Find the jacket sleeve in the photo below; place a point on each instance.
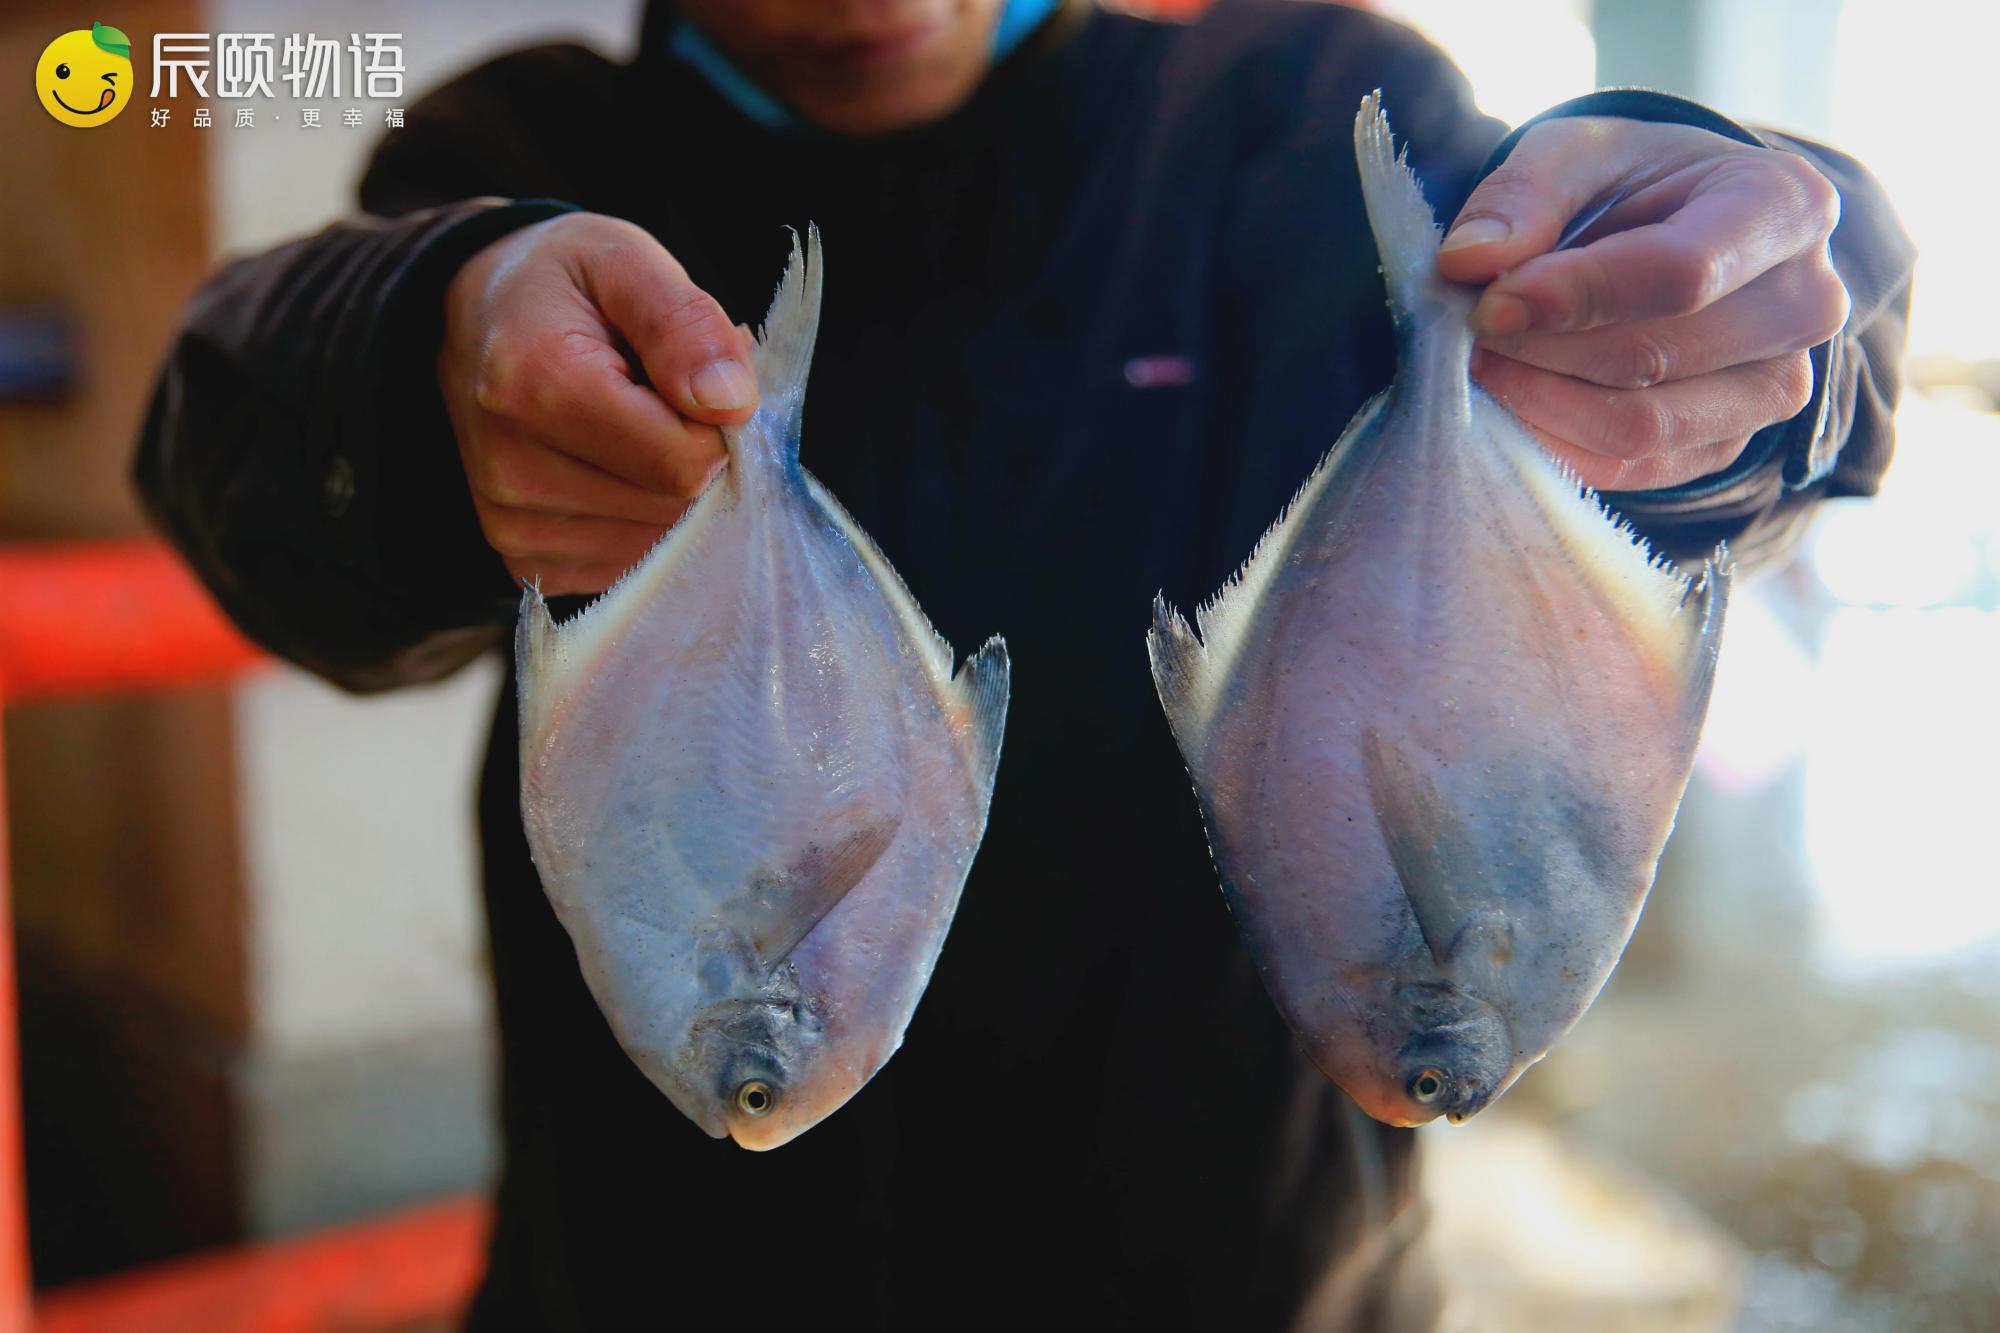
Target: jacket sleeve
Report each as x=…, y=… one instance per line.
x=1840, y=443
x=297, y=451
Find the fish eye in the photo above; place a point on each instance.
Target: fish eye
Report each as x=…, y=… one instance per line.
x=755, y=1098
x=1426, y=1086
x=62, y=70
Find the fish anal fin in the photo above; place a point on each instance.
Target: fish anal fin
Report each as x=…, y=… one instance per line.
x=1428, y=845
x=780, y=908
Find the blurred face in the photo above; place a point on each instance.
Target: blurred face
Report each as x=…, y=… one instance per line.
x=857, y=66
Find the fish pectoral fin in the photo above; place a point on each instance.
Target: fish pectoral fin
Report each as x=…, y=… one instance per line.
x=1427, y=843
x=1486, y=940
x=781, y=908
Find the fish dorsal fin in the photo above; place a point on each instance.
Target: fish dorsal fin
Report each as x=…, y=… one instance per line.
x=783, y=357
x=1433, y=854
x=781, y=907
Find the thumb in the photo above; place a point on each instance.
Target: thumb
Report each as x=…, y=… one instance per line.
x=694, y=356
x=1520, y=210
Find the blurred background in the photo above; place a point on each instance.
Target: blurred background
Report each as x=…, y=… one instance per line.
x=249, y=952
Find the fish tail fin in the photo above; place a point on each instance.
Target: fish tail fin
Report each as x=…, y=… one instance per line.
x=784, y=351
x=1179, y=672
x=983, y=681
x=1407, y=235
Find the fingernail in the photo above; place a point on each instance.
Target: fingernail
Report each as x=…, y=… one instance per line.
x=724, y=385
x=1499, y=313
x=1477, y=231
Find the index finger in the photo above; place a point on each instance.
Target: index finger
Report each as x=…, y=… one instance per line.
x=1744, y=213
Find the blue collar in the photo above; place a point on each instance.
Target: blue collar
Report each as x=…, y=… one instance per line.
x=687, y=43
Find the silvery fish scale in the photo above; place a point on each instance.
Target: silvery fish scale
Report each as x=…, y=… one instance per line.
x=1440, y=722
x=753, y=784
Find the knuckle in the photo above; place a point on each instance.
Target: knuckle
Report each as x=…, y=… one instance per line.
x=503, y=531
x=1641, y=362
x=1590, y=299
x=1690, y=280
x=1639, y=424
x=1798, y=188
x=1512, y=180
x=1816, y=195
x=505, y=479
x=689, y=317
x=1794, y=377
x=495, y=388
x=503, y=381
x=1833, y=305
x=611, y=241
x=480, y=470
x=1551, y=136
x=1718, y=457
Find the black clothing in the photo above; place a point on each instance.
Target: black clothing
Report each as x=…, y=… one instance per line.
x=1097, y=1118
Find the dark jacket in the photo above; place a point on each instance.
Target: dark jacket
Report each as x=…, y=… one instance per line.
x=1097, y=1119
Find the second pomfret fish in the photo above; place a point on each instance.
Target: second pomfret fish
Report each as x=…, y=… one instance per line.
x=1440, y=722
x=753, y=784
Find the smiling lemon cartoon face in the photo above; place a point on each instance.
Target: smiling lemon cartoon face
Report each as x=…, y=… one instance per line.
x=84, y=78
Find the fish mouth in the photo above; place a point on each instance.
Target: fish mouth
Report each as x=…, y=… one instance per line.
x=763, y=1136
x=109, y=96
x=1458, y=1038
x=1463, y=1112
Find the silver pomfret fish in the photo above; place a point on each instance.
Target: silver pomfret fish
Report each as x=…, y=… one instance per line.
x=753, y=785
x=1440, y=722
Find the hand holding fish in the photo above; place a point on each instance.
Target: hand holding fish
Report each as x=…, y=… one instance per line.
x=1649, y=354
x=579, y=459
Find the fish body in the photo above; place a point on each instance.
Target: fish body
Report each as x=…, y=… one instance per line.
x=1440, y=722
x=752, y=782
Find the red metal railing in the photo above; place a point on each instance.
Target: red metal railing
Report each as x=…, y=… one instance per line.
x=122, y=617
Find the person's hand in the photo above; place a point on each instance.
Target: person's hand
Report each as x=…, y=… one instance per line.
x=1650, y=354
x=585, y=376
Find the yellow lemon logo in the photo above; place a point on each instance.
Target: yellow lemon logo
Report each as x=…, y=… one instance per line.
x=85, y=78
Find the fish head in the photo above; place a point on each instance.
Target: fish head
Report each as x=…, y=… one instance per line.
x=751, y=1068
x=1435, y=1049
